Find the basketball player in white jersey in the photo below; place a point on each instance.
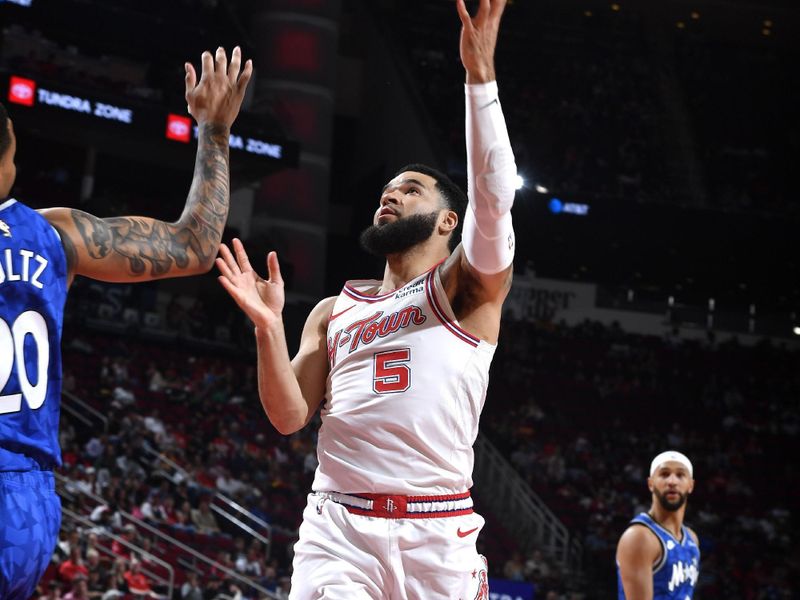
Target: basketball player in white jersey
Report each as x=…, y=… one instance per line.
x=402, y=364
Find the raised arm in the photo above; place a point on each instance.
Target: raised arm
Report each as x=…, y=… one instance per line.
x=479, y=271
x=637, y=552
x=290, y=390
x=142, y=248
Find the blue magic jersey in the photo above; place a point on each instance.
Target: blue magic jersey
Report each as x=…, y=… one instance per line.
x=33, y=290
x=675, y=575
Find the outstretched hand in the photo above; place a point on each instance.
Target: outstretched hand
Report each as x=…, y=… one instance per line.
x=261, y=299
x=218, y=96
x=479, y=39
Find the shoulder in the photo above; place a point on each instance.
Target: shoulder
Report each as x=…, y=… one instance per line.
x=321, y=313
x=638, y=539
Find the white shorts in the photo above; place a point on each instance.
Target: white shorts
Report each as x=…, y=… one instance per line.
x=346, y=556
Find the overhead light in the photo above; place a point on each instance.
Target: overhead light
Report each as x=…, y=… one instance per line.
x=680, y=25
x=615, y=7
x=587, y=13
x=766, y=31
x=695, y=15
x=520, y=182
x=767, y=22
x=796, y=330
x=541, y=189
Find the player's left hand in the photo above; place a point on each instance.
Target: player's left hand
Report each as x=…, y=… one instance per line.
x=218, y=96
x=479, y=39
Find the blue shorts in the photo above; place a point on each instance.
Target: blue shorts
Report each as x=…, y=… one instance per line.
x=30, y=517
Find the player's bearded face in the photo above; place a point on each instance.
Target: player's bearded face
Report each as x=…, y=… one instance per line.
x=672, y=502
x=398, y=235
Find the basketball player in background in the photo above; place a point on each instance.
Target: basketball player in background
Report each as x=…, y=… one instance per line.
x=403, y=365
x=658, y=557
x=41, y=252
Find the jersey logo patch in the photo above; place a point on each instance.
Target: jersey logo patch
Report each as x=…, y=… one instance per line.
x=5, y=229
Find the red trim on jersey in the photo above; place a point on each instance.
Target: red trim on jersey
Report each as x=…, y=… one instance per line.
x=409, y=515
x=356, y=295
x=449, y=498
x=457, y=331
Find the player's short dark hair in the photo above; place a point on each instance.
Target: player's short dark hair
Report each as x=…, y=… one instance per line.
x=454, y=198
x=5, y=137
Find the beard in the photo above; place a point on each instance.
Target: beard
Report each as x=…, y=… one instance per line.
x=671, y=506
x=398, y=236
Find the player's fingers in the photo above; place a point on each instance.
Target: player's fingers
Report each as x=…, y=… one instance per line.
x=236, y=62
x=231, y=289
x=230, y=261
x=241, y=256
x=244, y=78
x=274, y=268
x=463, y=13
x=191, y=78
x=221, y=61
x=484, y=8
x=208, y=65
x=498, y=6
x=223, y=268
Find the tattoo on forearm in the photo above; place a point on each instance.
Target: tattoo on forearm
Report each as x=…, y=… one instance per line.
x=147, y=247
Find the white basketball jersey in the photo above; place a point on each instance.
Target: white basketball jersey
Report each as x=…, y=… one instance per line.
x=404, y=394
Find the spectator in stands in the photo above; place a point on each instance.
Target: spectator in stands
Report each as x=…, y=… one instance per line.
x=138, y=584
x=514, y=569
x=204, y=519
x=80, y=588
x=69, y=541
x=53, y=591
x=73, y=566
x=129, y=537
x=96, y=585
x=191, y=589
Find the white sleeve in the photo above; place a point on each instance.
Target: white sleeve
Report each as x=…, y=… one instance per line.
x=488, y=235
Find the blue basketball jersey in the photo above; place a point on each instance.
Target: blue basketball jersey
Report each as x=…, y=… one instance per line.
x=33, y=290
x=675, y=575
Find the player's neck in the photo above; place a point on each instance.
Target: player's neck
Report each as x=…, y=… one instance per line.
x=671, y=520
x=405, y=266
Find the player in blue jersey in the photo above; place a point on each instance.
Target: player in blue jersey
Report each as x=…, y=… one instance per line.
x=658, y=557
x=40, y=254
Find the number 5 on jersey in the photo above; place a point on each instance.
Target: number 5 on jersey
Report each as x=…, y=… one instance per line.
x=392, y=372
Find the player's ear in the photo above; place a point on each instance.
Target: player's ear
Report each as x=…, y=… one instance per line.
x=449, y=221
x=691, y=486
x=650, y=483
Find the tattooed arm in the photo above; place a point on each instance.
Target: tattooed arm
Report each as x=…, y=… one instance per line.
x=141, y=248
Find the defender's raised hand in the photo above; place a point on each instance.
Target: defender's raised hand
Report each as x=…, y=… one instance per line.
x=262, y=300
x=218, y=96
x=479, y=38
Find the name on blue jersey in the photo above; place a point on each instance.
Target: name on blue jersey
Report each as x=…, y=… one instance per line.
x=682, y=572
x=20, y=267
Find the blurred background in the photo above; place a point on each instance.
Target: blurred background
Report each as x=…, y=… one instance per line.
x=656, y=300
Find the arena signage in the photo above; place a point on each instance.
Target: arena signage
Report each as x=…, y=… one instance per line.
x=25, y=92
x=149, y=122
x=537, y=299
x=252, y=145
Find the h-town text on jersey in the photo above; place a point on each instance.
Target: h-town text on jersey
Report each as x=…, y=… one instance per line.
x=365, y=331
